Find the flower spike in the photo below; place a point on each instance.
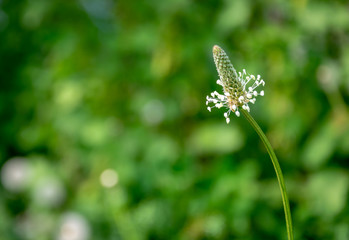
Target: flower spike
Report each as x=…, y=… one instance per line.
x=238, y=88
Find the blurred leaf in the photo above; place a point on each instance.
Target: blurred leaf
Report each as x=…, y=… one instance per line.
x=328, y=192
x=208, y=138
x=234, y=14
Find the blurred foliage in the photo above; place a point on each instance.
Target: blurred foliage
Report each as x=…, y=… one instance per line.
x=92, y=85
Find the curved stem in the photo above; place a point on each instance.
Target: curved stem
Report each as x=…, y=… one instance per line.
x=277, y=170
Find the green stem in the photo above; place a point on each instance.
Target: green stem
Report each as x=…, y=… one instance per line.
x=277, y=170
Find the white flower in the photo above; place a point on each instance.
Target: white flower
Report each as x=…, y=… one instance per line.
x=238, y=89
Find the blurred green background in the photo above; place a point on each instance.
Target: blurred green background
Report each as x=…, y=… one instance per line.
x=105, y=132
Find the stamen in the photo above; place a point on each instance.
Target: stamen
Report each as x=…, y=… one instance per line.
x=219, y=105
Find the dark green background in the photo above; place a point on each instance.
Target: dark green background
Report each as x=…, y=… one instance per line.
x=94, y=84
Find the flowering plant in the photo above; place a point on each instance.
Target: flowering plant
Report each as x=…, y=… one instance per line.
x=238, y=91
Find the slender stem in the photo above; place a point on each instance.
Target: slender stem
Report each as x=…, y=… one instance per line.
x=277, y=170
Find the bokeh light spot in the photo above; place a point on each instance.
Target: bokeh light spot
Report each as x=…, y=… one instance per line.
x=15, y=174
x=73, y=227
x=109, y=178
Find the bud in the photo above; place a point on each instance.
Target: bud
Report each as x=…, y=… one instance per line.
x=225, y=69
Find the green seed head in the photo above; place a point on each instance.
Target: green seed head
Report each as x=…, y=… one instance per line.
x=226, y=71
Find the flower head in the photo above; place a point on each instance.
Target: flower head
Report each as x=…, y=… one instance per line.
x=238, y=88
